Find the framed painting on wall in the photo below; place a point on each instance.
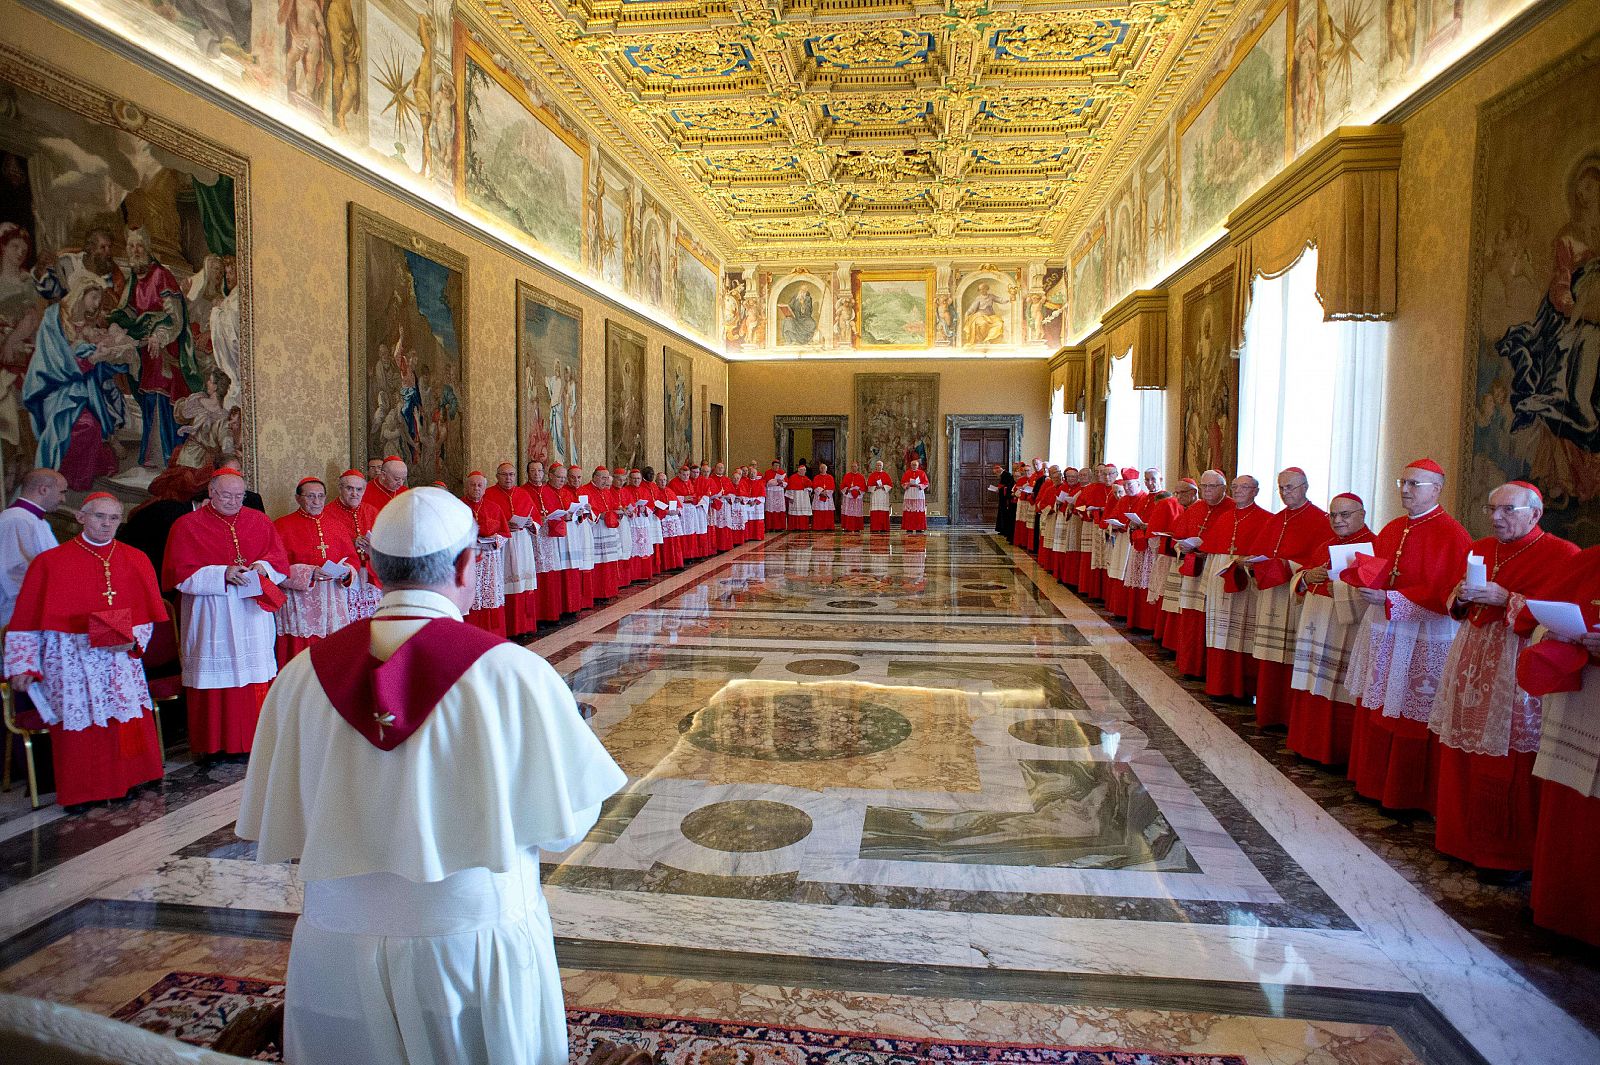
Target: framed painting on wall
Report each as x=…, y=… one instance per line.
x=1209, y=418
x=516, y=161
x=894, y=308
x=1087, y=295
x=408, y=349
x=895, y=418
x=124, y=247
x=549, y=378
x=1530, y=402
x=678, y=397
x=695, y=297
x=625, y=382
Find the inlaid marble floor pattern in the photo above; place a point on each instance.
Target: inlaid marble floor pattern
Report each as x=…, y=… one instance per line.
x=902, y=784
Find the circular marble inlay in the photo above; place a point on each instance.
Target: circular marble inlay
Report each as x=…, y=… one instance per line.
x=1056, y=732
x=984, y=586
x=853, y=604
x=821, y=667
x=746, y=825
x=801, y=724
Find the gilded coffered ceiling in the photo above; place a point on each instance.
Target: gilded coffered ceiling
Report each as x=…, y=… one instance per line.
x=871, y=129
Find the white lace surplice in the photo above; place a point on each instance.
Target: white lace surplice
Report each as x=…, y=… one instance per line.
x=1230, y=616
x=914, y=499
x=320, y=610
x=84, y=685
x=227, y=642
x=1397, y=662
x=1569, y=749
x=521, y=561
x=1480, y=709
x=1328, y=631
x=490, y=588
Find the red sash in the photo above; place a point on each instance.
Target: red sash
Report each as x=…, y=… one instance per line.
x=387, y=701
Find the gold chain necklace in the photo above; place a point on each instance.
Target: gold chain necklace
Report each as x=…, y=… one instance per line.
x=105, y=563
x=233, y=531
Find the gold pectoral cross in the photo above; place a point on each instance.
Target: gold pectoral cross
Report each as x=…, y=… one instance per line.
x=384, y=720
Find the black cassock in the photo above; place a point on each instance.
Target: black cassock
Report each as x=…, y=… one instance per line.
x=1005, y=520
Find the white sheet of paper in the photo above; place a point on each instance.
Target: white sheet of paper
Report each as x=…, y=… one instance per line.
x=1253, y=559
x=1191, y=542
x=1563, y=619
x=40, y=703
x=520, y=522
x=555, y=515
x=1342, y=556
x=993, y=488
x=1115, y=524
x=1477, y=573
x=336, y=570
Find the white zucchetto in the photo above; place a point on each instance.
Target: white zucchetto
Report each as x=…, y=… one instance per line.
x=421, y=521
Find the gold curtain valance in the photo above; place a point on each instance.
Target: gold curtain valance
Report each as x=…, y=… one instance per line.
x=1071, y=368
x=1343, y=196
x=1139, y=324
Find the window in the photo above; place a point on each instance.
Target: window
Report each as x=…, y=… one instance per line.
x=1310, y=391
x=1122, y=414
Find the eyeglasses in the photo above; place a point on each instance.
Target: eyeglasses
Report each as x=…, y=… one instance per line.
x=1406, y=482
x=1506, y=511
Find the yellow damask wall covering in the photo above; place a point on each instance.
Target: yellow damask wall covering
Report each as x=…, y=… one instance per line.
x=298, y=284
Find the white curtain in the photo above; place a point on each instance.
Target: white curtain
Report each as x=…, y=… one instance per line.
x=1066, y=434
x=1152, y=428
x=1123, y=411
x=1310, y=392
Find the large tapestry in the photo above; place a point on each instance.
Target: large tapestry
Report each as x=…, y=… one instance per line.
x=1533, y=333
x=517, y=161
x=678, y=389
x=408, y=349
x=1239, y=137
x=124, y=280
x=895, y=416
x=549, y=377
x=625, y=382
x=1210, y=401
x=894, y=308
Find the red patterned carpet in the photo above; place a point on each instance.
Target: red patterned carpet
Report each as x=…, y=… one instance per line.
x=195, y=1007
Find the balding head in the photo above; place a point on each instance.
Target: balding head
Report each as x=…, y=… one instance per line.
x=43, y=487
x=393, y=474
x=505, y=475
x=1186, y=493
x=1244, y=490
x=227, y=494
x=352, y=487
x=1213, y=486
x=1292, y=485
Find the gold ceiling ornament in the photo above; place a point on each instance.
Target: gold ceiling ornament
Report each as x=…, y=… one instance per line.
x=965, y=103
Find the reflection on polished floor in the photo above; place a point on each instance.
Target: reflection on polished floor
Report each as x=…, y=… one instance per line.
x=895, y=787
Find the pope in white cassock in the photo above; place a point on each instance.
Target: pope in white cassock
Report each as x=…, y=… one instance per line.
x=416, y=766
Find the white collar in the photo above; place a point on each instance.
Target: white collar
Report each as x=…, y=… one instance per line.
x=1424, y=514
x=414, y=601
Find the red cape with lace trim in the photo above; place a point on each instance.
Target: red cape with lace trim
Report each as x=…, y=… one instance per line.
x=64, y=586
x=200, y=538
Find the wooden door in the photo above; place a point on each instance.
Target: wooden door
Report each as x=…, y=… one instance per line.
x=981, y=450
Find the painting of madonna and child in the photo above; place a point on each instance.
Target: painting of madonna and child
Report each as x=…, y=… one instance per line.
x=121, y=343
x=1533, y=409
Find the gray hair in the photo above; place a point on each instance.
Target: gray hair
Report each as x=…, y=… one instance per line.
x=424, y=571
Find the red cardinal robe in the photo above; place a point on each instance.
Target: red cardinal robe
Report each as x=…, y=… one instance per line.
x=1486, y=811
x=1187, y=638
x=1228, y=672
x=223, y=719
x=62, y=591
x=551, y=595
x=311, y=542
x=1145, y=609
x=1394, y=759
x=1566, y=855
x=1319, y=727
x=913, y=512
x=522, y=608
x=491, y=522
x=878, y=519
x=822, y=518
x=1289, y=536
x=799, y=482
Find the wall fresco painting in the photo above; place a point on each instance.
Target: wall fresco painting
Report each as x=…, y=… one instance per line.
x=1087, y=299
x=1533, y=332
x=695, y=290
x=549, y=378
x=894, y=423
x=124, y=314
x=894, y=308
x=517, y=162
x=408, y=349
x=625, y=385
x=1239, y=136
x=799, y=313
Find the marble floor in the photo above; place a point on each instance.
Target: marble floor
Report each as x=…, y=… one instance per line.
x=897, y=786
